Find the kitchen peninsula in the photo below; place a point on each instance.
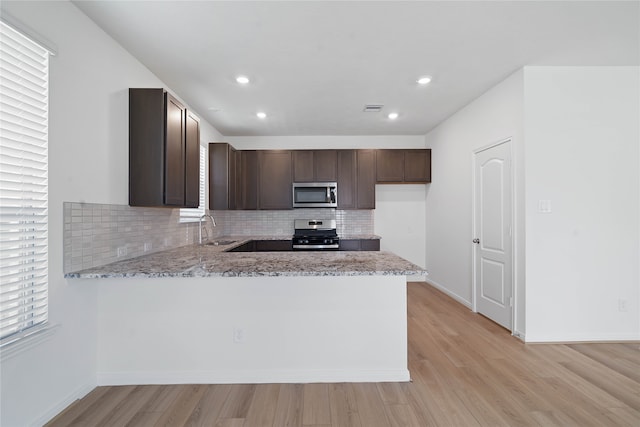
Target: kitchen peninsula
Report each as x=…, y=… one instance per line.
x=198, y=314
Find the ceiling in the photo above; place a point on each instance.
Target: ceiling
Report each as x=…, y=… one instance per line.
x=314, y=65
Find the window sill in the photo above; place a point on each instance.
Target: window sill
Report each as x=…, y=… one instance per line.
x=26, y=342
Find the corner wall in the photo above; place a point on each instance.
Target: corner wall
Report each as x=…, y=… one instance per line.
x=582, y=129
x=88, y=162
x=493, y=117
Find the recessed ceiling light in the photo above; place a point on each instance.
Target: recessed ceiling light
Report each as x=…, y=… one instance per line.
x=261, y=115
x=393, y=116
x=424, y=80
x=243, y=80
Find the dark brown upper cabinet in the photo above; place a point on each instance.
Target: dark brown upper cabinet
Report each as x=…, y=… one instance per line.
x=403, y=166
x=275, y=179
x=247, y=179
x=233, y=177
x=222, y=176
x=163, y=151
x=192, y=162
x=365, y=179
x=315, y=165
x=347, y=179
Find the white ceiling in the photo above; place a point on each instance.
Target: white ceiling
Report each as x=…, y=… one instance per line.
x=315, y=64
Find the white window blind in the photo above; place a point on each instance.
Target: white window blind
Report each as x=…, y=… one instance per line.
x=24, y=92
x=194, y=214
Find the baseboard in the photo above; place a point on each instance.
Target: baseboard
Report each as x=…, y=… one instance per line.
x=78, y=393
x=520, y=335
x=251, y=377
x=582, y=339
x=449, y=293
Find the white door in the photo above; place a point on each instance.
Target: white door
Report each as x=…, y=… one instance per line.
x=493, y=248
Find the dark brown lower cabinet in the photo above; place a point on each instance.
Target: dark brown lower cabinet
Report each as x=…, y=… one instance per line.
x=359, y=244
x=286, y=245
x=264, y=246
x=273, y=245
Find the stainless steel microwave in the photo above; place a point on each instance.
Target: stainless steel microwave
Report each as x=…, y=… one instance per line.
x=315, y=195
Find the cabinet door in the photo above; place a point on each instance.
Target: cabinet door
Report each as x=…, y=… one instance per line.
x=349, y=244
x=325, y=165
x=417, y=166
x=273, y=245
x=247, y=191
x=250, y=246
x=370, y=245
x=359, y=245
x=390, y=165
x=303, y=166
x=192, y=162
x=233, y=183
x=220, y=177
x=346, y=179
x=146, y=147
x=275, y=179
x=366, y=179
x=174, y=152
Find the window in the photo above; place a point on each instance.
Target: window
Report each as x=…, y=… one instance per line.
x=194, y=214
x=24, y=99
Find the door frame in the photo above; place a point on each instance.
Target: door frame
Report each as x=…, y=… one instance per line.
x=474, y=229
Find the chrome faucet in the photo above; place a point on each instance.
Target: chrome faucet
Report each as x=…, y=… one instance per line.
x=213, y=223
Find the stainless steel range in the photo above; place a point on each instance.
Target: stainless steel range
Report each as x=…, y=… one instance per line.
x=315, y=234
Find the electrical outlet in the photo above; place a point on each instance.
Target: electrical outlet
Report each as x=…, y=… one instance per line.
x=622, y=304
x=147, y=247
x=238, y=335
x=121, y=251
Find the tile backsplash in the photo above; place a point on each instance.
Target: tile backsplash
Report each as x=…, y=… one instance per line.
x=280, y=223
x=99, y=234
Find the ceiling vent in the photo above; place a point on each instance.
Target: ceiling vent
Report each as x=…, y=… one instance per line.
x=373, y=108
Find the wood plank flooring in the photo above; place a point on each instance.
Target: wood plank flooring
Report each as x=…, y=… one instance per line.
x=465, y=369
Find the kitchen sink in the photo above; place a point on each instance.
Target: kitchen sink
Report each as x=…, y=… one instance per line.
x=221, y=242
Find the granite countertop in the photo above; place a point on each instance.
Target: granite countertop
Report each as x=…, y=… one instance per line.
x=210, y=260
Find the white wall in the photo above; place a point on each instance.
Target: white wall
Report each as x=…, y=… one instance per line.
x=294, y=329
x=582, y=144
x=579, y=128
x=399, y=220
x=493, y=117
x=88, y=161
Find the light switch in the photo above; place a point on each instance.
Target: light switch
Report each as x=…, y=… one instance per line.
x=544, y=206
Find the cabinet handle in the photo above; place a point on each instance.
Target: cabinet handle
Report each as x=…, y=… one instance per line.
x=476, y=241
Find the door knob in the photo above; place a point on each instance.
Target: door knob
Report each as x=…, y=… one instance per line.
x=476, y=241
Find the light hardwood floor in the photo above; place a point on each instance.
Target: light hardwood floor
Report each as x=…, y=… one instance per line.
x=466, y=371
